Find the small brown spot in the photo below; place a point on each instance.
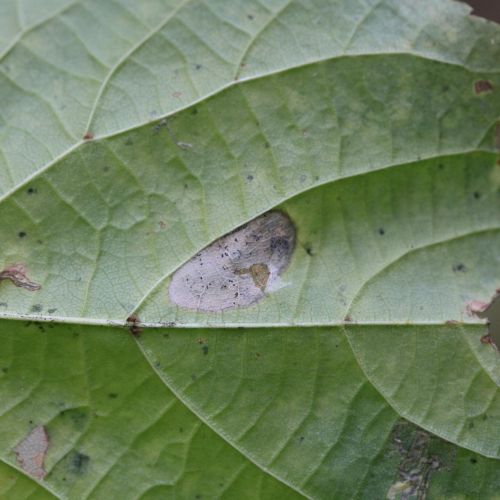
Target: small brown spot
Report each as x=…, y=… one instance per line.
x=16, y=273
x=482, y=86
x=88, y=136
x=133, y=325
x=30, y=452
x=488, y=340
x=162, y=225
x=452, y=322
x=348, y=319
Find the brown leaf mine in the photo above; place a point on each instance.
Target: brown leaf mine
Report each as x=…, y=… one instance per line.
x=31, y=452
x=238, y=269
x=17, y=275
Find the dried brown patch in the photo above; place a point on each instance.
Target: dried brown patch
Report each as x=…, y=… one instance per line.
x=16, y=273
x=31, y=451
x=482, y=86
x=238, y=269
x=88, y=136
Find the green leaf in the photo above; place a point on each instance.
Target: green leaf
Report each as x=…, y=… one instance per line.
x=135, y=134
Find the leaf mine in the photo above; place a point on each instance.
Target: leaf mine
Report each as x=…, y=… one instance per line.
x=238, y=269
x=17, y=275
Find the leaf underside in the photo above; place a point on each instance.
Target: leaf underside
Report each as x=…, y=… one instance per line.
x=134, y=134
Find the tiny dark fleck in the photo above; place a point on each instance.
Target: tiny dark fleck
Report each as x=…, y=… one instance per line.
x=440, y=166
x=5, y=369
x=204, y=348
x=194, y=111
x=477, y=195
x=105, y=168
x=181, y=430
x=36, y=308
x=166, y=335
x=31, y=190
x=198, y=497
x=381, y=231
x=129, y=142
x=471, y=425
x=309, y=250
x=112, y=395
x=250, y=17
x=21, y=234
x=267, y=145
x=157, y=364
x=198, y=66
x=193, y=376
x=185, y=186
x=88, y=136
x=348, y=319
x=3, y=304
x=250, y=177
x=473, y=460
x=31, y=421
x=301, y=438
x=460, y=268
x=51, y=311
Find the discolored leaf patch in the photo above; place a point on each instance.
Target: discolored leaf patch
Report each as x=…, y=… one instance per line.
x=16, y=273
x=238, y=269
x=31, y=452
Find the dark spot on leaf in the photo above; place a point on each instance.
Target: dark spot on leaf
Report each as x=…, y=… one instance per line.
x=88, y=136
x=381, y=231
x=112, y=395
x=31, y=190
x=3, y=304
x=129, y=142
x=473, y=460
x=250, y=177
x=79, y=463
x=348, y=319
x=204, y=348
x=250, y=17
x=198, y=66
x=267, y=145
x=482, y=86
x=52, y=311
x=21, y=234
x=5, y=369
x=309, y=250
x=477, y=195
x=459, y=268
x=36, y=308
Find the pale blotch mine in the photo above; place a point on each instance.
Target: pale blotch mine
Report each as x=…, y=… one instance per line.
x=238, y=269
